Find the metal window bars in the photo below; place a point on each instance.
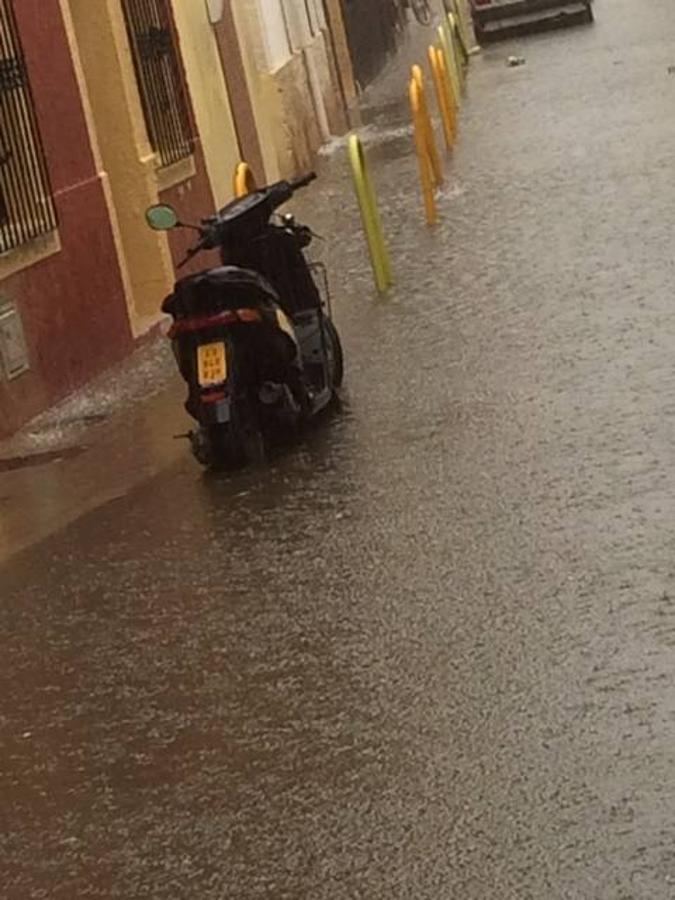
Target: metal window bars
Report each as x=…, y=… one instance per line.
x=26, y=206
x=159, y=77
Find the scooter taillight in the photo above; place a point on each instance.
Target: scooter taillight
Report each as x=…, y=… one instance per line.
x=201, y=323
x=213, y=397
x=249, y=315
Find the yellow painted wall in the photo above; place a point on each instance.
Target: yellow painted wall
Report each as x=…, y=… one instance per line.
x=126, y=155
x=208, y=91
x=96, y=150
x=265, y=95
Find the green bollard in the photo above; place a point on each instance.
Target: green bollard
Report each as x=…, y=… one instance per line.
x=370, y=216
x=456, y=40
x=450, y=63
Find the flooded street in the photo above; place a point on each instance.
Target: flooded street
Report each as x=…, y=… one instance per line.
x=428, y=652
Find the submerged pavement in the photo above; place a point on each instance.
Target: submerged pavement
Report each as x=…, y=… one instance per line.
x=428, y=651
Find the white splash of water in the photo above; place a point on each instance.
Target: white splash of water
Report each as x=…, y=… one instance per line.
x=369, y=135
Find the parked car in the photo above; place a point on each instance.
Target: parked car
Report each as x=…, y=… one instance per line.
x=494, y=17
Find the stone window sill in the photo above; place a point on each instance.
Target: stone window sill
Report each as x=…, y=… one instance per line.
x=27, y=255
x=176, y=173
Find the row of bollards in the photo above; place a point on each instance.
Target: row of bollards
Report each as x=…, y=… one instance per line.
x=431, y=168
x=448, y=61
x=448, y=75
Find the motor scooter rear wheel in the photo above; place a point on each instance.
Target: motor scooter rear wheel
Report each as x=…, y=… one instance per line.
x=231, y=445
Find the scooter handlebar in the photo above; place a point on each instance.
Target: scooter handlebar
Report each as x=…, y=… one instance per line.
x=206, y=242
x=302, y=182
x=215, y=227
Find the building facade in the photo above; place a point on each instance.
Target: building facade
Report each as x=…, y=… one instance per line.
x=109, y=106
x=299, y=85
x=63, y=296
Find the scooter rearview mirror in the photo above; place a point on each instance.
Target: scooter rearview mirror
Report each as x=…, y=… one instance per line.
x=161, y=217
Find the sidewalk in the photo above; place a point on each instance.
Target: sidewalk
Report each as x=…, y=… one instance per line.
x=90, y=449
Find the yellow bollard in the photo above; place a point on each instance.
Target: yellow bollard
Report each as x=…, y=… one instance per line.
x=463, y=16
x=244, y=181
x=444, y=103
x=465, y=19
x=450, y=64
x=447, y=89
x=427, y=128
x=370, y=216
x=455, y=39
x=422, y=147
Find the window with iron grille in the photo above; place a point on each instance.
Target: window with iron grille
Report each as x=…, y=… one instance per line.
x=26, y=206
x=159, y=78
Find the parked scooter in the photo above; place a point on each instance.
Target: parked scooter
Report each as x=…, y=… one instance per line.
x=253, y=338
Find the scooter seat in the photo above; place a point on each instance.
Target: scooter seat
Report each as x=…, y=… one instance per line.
x=219, y=289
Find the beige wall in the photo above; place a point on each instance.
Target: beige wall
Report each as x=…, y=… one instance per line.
x=263, y=91
x=208, y=92
x=297, y=102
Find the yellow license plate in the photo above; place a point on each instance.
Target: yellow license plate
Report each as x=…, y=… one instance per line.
x=211, y=364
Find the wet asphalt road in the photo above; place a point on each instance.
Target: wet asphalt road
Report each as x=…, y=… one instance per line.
x=429, y=653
